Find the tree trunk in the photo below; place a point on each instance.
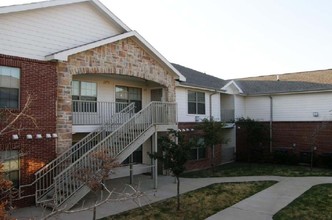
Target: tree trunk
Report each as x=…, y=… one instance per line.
x=94, y=213
x=178, y=193
x=212, y=158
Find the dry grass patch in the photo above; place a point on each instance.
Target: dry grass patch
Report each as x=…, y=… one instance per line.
x=316, y=203
x=254, y=169
x=198, y=204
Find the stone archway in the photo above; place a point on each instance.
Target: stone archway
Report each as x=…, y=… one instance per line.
x=124, y=57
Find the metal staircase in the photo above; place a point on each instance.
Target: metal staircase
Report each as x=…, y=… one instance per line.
x=44, y=177
x=57, y=182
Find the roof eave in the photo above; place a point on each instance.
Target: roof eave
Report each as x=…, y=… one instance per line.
x=232, y=82
x=199, y=87
x=63, y=55
x=288, y=93
x=37, y=5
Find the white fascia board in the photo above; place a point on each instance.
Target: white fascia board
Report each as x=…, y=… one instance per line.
x=198, y=88
x=63, y=55
x=290, y=93
x=37, y=5
x=161, y=57
x=108, y=13
x=232, y=83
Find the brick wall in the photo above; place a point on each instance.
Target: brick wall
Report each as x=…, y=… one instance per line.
x=202, y=163
x=294, y=136
x=124, y=57
x=39, y=80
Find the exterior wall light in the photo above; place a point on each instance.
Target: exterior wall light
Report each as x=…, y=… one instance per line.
x=29, y=136
x=48, y=135
x=54, y=135
x=15, y=137
x=39, y=136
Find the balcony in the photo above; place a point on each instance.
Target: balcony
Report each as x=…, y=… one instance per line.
x=95, y=113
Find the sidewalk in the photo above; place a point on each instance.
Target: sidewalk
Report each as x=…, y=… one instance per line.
x=262, y=205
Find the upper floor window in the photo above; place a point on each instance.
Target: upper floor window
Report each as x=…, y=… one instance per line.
x=9, y=87
x=85, y=95
x=196, y=103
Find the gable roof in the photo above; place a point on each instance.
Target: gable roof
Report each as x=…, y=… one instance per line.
x=310, y=81
x=61, y=52
x=259, y=87
x=198, y=79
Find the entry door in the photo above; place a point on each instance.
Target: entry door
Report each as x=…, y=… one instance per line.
x=156, y=95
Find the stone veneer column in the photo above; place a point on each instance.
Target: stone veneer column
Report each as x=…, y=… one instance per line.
x=64, y=108
x=124, y=57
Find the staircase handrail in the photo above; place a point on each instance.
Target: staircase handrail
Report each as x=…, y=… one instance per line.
x=112, y=145
x=53, y=168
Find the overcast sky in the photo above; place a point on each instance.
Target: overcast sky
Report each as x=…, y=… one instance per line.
x=232, y=38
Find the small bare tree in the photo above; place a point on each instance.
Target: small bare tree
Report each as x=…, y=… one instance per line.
x=11, y=121
x=175, y=155
x=96, y=182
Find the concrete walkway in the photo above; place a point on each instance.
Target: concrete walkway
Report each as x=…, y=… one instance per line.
x=262, y=205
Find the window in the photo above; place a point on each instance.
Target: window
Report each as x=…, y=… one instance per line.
x=84, y=96
x=11, y=165
x=129, y=95
x=9, y=87
x=199, y=152
x=196, y=103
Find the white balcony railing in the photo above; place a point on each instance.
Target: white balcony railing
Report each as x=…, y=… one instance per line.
x=95, y=113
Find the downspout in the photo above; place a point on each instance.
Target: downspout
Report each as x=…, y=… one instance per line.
x=271, y=120
x=210, y=99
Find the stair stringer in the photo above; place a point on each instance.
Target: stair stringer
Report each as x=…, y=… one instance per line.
x=84, y=190
x=135, y=144
x=75, y=198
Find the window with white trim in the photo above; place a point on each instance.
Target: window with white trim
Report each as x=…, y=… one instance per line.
x=84, y=95
x=128, y=95
x=11, y=165
x=9, y=87
x=196, y=103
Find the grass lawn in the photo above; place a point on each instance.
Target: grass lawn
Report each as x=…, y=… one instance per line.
x=316, y=203
x=198, y=204
x=252, y=169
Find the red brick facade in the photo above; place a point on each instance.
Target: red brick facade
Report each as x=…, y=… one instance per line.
x=202, y=163
x=296, y=137
x=39, y=79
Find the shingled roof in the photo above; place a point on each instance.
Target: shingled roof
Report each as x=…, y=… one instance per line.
x=199, y=79
x=286, y=83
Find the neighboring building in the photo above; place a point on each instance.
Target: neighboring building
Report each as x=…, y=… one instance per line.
x=199, y=97
x=83, y=67
x=295, y=106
